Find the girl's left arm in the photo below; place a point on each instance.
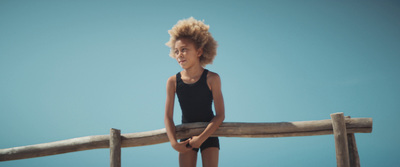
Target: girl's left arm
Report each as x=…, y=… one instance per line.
x=215, y=85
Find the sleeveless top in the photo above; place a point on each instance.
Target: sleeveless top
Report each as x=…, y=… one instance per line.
x=195, y=99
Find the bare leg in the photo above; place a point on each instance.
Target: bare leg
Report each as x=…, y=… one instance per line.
x=188, y=159
x=210, y=157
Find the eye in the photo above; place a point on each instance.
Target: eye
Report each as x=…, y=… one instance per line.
x=184, y=50
x=176, y=52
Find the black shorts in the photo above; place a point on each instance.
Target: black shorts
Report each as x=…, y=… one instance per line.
x=210, y=142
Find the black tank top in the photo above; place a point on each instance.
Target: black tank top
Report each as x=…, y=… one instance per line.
x=195, y=99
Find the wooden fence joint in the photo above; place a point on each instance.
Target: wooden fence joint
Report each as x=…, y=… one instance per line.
x=340, y=135
x=115, y=148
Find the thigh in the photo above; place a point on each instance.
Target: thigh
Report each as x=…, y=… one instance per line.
x=210, y=157
x=188, y=159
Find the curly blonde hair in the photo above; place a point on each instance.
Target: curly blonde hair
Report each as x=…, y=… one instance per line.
x=197, y=31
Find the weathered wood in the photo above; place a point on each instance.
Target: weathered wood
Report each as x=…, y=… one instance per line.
x=280, y=129
x=353, y=151
x=115, y=148
x=340, y=135
x=53, y=148
x=251, y=130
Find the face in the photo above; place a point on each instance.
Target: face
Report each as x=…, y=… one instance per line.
x=186, y=53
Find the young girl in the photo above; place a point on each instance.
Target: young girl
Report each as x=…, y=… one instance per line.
x=193, y=47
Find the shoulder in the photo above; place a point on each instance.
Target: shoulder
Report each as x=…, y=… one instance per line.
x=171, y=82
x=213, y=78
x=171, y=79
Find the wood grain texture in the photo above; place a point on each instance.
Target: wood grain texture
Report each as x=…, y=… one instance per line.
x=115, y=148
x=341, y=143
x=251, y=130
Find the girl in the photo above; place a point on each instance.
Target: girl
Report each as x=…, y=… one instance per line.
x=193, y=47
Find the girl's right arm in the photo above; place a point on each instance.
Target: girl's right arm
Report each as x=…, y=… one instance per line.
x=169, y=117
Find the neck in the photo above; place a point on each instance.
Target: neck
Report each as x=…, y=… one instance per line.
x=194, y=71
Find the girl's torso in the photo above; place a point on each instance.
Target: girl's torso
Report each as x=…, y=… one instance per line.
x=195, y=99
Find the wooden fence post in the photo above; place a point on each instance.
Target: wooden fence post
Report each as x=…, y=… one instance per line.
x=227, y=129
x=115, y=148
x=341, y=145
x=353, y=151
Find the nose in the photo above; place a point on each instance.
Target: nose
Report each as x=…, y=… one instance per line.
x=180, y=54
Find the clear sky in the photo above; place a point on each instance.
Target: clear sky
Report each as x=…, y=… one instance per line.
x=78, y=68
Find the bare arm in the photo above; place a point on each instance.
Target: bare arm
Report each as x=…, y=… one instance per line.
x=214, y=82
x=169, y=119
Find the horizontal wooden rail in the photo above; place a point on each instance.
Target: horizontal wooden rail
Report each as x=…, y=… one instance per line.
x=280, y=129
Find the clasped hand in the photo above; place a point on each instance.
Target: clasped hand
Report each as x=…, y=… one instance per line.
x=195, y=142
x=184, y=146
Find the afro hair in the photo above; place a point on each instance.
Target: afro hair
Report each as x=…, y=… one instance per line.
x=197, y=31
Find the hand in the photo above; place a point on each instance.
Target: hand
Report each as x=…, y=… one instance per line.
x=195, y=141
x=182, y=147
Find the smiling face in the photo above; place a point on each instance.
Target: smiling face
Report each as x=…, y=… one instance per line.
x=186, y=53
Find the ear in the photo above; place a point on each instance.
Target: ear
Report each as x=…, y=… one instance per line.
x=199, y=52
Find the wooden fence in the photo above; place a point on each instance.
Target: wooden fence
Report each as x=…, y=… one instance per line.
x=343, y=129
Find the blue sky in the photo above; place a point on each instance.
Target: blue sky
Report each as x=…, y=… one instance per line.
x=78, y=68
